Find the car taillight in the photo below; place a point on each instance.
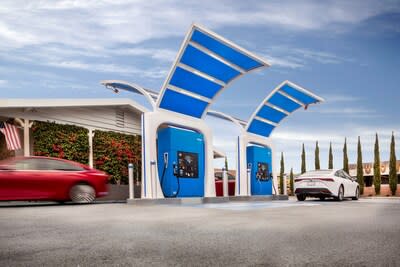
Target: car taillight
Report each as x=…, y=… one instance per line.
x=314, y=179
x=326, y=179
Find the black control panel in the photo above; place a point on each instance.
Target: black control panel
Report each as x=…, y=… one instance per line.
x=262, y=171
x=188, y=165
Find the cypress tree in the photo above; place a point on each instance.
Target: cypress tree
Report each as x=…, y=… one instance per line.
x=303, y=160
x=345, y=158
x=281, y=188
x=317, y=165
x=226, y=164
x=360, y=170
x=330, y=163
x=291, y=182
x=392, y=167
x=377, y=167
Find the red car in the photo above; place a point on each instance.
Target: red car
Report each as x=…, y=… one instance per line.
x=43, y=178
x=219, y=191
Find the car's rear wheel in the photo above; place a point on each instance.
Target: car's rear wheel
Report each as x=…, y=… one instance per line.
x=322, y=198
x=82, y=193
x=340, y=194
x=301, y=197
x=357, y=195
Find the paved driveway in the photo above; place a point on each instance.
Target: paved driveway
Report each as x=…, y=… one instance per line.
x=287, y=233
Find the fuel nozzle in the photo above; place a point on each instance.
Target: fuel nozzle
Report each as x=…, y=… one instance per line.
x=165, y=156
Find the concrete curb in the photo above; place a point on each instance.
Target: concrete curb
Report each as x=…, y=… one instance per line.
x=204, y=200
x=377, y=197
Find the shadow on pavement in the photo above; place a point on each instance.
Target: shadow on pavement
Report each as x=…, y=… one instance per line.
x=24, y=204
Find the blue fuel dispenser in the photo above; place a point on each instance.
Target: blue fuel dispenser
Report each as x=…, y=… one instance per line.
x=259, y=162
x=180, y=162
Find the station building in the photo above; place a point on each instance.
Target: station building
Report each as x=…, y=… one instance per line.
x=368, y=169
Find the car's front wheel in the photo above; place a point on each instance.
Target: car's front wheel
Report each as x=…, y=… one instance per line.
x=357, y=195
x=340, y=193
x=301, y=197
x=82, y=193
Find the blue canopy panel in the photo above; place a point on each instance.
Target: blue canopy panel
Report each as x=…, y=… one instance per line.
x=282, y=101
x=205, y=65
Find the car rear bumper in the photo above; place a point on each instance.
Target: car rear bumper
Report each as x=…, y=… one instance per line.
x=314, y=192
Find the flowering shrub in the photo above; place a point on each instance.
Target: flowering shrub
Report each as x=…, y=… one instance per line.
x=111, y=151
x=60, y=141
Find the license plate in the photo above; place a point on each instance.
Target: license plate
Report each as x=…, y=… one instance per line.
x=310, y=183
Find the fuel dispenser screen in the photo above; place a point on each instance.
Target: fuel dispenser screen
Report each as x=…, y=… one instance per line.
x=188, y=164
x=262, y=171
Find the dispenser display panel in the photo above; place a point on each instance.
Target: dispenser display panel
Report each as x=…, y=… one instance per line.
x=262, y=171
x=188, y=164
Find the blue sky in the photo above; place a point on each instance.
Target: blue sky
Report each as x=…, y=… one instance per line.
x=344, y=51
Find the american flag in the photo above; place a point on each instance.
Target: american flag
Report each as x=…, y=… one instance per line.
x=11, y=134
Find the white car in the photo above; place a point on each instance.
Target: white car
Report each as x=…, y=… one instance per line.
x=326, y=183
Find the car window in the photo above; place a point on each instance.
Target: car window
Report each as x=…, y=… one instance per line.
x=62, y=166
x=46, y=165
x=26, y=164
x=347, y=176
x=218, y=176
x=343, y=175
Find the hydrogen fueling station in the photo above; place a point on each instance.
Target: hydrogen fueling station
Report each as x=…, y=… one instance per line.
x=177, y=144
x=255, y=165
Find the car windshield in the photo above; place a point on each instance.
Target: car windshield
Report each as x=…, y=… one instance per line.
x=218, y=176
x=316, y=173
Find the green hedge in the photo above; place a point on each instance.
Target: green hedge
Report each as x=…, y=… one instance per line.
x=60, y=141
x=111, y=151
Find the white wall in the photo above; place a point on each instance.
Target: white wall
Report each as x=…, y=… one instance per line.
x=96, y=117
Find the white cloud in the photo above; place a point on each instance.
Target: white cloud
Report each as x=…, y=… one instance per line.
x=166, y=55
x=284, y=62
x=284, y=56
x=290, y=139
x=65, y=31
x=336, y=98
x=110, y=68
x=353, y=112
x=3, y=83
x=319, y=56
x=97, y=24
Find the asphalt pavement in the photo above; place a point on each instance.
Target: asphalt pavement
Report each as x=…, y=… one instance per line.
x=278, y=233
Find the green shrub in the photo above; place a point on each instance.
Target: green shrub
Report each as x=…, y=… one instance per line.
x=111, y=151
x=60, y=141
